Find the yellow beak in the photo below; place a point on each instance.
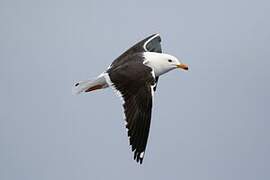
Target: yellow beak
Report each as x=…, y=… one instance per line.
x=182, y=66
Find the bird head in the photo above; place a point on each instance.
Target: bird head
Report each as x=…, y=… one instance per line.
x=162, y=63
x=173, y=62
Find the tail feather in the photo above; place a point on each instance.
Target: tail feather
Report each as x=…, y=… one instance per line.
x=90, y=85
x=82, y=86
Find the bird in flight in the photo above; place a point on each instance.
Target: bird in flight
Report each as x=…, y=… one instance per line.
x=134, y=76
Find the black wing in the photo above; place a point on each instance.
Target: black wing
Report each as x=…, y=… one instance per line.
x=135, y=82
x=150, y=44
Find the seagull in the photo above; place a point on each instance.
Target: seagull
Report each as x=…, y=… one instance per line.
x=134, y=76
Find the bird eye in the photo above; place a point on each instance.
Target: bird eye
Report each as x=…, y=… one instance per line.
x=169, y=60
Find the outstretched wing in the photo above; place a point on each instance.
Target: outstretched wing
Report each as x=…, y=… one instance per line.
x=135, y=83
x=149, y=44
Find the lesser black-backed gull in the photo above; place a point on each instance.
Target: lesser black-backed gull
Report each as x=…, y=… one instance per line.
x=134, y=76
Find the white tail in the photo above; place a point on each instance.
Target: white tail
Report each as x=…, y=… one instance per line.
x=90, y=85
x=81, y=86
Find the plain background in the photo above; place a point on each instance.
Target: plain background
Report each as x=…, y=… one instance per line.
x=209, y=123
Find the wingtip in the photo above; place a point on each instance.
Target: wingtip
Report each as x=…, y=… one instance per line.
x=138, y=157
x=141, y=160
x=155, y=35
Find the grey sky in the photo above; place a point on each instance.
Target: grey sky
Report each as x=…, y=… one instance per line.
x=209, y=123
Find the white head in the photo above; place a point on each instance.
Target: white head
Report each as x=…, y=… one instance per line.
x=162, y=63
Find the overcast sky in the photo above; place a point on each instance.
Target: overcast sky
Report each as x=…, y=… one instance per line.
x=210, y=123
